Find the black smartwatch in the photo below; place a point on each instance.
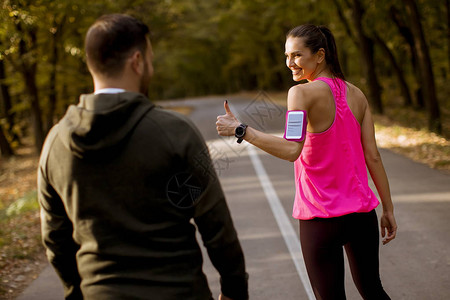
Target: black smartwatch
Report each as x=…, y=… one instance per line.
x=240, y=131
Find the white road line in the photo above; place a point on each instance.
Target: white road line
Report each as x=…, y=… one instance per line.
x=288, y=232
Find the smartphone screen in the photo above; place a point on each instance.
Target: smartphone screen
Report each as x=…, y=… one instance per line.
x=295, y=125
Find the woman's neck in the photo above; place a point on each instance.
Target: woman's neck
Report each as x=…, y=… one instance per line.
x=323, y=72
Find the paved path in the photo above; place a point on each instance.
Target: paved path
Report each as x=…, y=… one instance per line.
x=259, y=190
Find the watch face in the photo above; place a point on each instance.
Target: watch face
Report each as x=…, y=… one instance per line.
x=239, y=131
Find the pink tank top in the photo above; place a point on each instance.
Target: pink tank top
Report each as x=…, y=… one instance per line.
x=330, y=174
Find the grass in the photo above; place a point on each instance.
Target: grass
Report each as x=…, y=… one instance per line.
x=417, y=144
x=24, y=204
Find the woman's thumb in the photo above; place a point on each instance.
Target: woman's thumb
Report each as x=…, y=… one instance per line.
x=227, y=108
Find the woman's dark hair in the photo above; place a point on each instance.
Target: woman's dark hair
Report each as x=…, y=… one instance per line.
x=110, y=41
x=316, y=37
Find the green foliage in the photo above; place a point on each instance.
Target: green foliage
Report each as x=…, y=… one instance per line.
x=201, y=46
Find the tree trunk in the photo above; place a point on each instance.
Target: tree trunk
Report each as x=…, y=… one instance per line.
x=52, y=92
x=408, y=36
x=447, y=6
x=5, y=148
x=397, y=69
x=28, y=69
x=367, y=57
x=344, y=21
x=56, y=36
x=36, y=119
x=426, y=71
x=52, y=82
x=5, y=98
x=344, y=55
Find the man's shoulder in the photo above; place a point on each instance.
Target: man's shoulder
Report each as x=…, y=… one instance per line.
x=174, y=126
x=48, y=143
x=169, y=118
x=51, y=136
x=167, y=113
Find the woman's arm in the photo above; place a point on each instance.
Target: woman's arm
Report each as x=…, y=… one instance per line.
x=379, y=177
x=276, y=146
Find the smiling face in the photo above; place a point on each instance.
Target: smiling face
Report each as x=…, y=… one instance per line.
x=300, y=60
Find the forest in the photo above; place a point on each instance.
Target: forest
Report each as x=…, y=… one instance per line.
x=397, y=51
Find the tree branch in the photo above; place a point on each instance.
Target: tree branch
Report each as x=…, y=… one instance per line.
x=345, y=22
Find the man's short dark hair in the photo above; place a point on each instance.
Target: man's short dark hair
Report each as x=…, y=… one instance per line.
x=111, y=40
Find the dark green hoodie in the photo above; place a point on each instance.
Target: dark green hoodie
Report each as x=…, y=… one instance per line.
x=121, y=185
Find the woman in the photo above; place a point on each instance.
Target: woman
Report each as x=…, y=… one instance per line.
x=333, y=201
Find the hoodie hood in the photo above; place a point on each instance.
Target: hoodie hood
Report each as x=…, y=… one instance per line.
x=100, y=124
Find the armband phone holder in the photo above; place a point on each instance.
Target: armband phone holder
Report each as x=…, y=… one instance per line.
x=295, y=129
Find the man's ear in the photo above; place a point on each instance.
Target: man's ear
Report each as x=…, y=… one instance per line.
x=320, y=55
x=137, y=62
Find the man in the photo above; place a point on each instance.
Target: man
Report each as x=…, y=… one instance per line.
x=119, y=182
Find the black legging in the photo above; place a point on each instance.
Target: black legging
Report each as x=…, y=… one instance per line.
x=322, y=241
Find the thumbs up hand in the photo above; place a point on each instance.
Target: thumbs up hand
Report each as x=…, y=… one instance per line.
x=226, y=124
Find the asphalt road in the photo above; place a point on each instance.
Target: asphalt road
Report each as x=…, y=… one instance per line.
x=260, y=191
